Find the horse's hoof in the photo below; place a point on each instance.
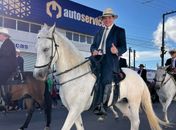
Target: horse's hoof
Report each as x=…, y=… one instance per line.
x=47, y=128
x=117, y=118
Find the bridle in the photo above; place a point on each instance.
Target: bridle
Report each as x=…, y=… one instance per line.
x=162, y=81
x=52, y=55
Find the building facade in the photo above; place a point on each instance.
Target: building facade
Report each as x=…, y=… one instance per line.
x=24, y=18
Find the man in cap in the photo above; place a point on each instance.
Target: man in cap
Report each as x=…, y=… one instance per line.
x=142, y=72
x=171, y=62
x=109, y=42
x=7, y=56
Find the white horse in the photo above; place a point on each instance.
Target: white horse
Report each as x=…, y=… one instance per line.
x=78, y=81
x=166, y=89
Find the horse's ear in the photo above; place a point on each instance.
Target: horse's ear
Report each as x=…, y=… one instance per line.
x=52, y=29
x=45, y=26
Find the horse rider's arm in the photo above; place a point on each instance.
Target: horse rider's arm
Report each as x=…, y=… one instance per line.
x=122, y=47
x=95, y=43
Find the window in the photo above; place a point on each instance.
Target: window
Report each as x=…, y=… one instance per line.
x=89, y=40
x=69, y=35
x=35, y=28
x=9, y=23
x=82, y=38
x=0, y=21
x=75, y=37
x=23, y=26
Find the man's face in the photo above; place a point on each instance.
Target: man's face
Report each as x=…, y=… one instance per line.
x=108, y=21
x=173, y=55
x=2, y=37
x=141, y=67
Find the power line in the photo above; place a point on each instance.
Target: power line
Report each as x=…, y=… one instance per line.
x=143, y=46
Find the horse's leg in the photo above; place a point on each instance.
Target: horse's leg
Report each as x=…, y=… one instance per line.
x=132, y=112
x=165, y=108
x=134, y=116
x=71, y=118
x=79, y=123
x=114, y=112
x=124, y=108
x=47, y=108
x=30, y=107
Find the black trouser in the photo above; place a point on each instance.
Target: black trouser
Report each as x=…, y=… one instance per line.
x=4, y=75
x=106, y=77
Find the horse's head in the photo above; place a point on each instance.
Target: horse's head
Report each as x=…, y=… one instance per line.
x=160, y=76
x=47, y=52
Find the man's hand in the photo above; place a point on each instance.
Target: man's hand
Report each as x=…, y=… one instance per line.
x=114, y=50
x=95, y=53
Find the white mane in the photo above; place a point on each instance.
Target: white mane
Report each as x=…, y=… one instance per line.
x=67, y=50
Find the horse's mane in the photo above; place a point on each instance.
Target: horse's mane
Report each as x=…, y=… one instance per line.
x=62, y=39
x=68, y=53
x=69, y=44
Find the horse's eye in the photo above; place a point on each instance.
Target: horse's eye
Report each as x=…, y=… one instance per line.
x=164, y=75
x=45, y=50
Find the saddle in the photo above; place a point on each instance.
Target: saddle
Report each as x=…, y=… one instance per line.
x=95, y=67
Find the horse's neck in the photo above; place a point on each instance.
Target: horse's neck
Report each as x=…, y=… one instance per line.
x=69, y=56
x=169, y=81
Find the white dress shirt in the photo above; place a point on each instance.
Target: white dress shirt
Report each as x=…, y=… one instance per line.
x=107, y=33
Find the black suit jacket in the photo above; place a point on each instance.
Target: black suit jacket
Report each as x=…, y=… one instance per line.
x=143, y=74
x=168, y=62
x=123, y=62
x=8, y=56
x=116, y=36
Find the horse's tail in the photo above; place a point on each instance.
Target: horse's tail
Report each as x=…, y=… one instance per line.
x=154, y=121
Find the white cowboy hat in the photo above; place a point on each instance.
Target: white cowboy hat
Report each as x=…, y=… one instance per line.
x=4, y=31
x=108, y=12
x=18, y=50
x=172, y=51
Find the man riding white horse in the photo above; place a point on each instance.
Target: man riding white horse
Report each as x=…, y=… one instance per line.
x=171, y=62
x=109, y=43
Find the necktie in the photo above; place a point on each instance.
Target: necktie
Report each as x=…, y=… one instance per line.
x=104, y=41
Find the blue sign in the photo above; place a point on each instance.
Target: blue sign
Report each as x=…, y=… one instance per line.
x=66, y=14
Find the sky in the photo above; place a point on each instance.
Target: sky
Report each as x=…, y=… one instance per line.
x=142, y=20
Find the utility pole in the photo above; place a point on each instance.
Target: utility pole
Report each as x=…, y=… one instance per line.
x=163, y=37
x=134, y=59
x=130, y=50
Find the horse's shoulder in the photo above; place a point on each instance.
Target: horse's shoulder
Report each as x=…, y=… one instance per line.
x=128, y=70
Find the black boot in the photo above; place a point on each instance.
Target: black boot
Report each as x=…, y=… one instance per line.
x=116, y=93
x=107, y=93
x=100, y=110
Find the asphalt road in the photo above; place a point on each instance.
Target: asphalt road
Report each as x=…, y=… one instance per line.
x=13, y=120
